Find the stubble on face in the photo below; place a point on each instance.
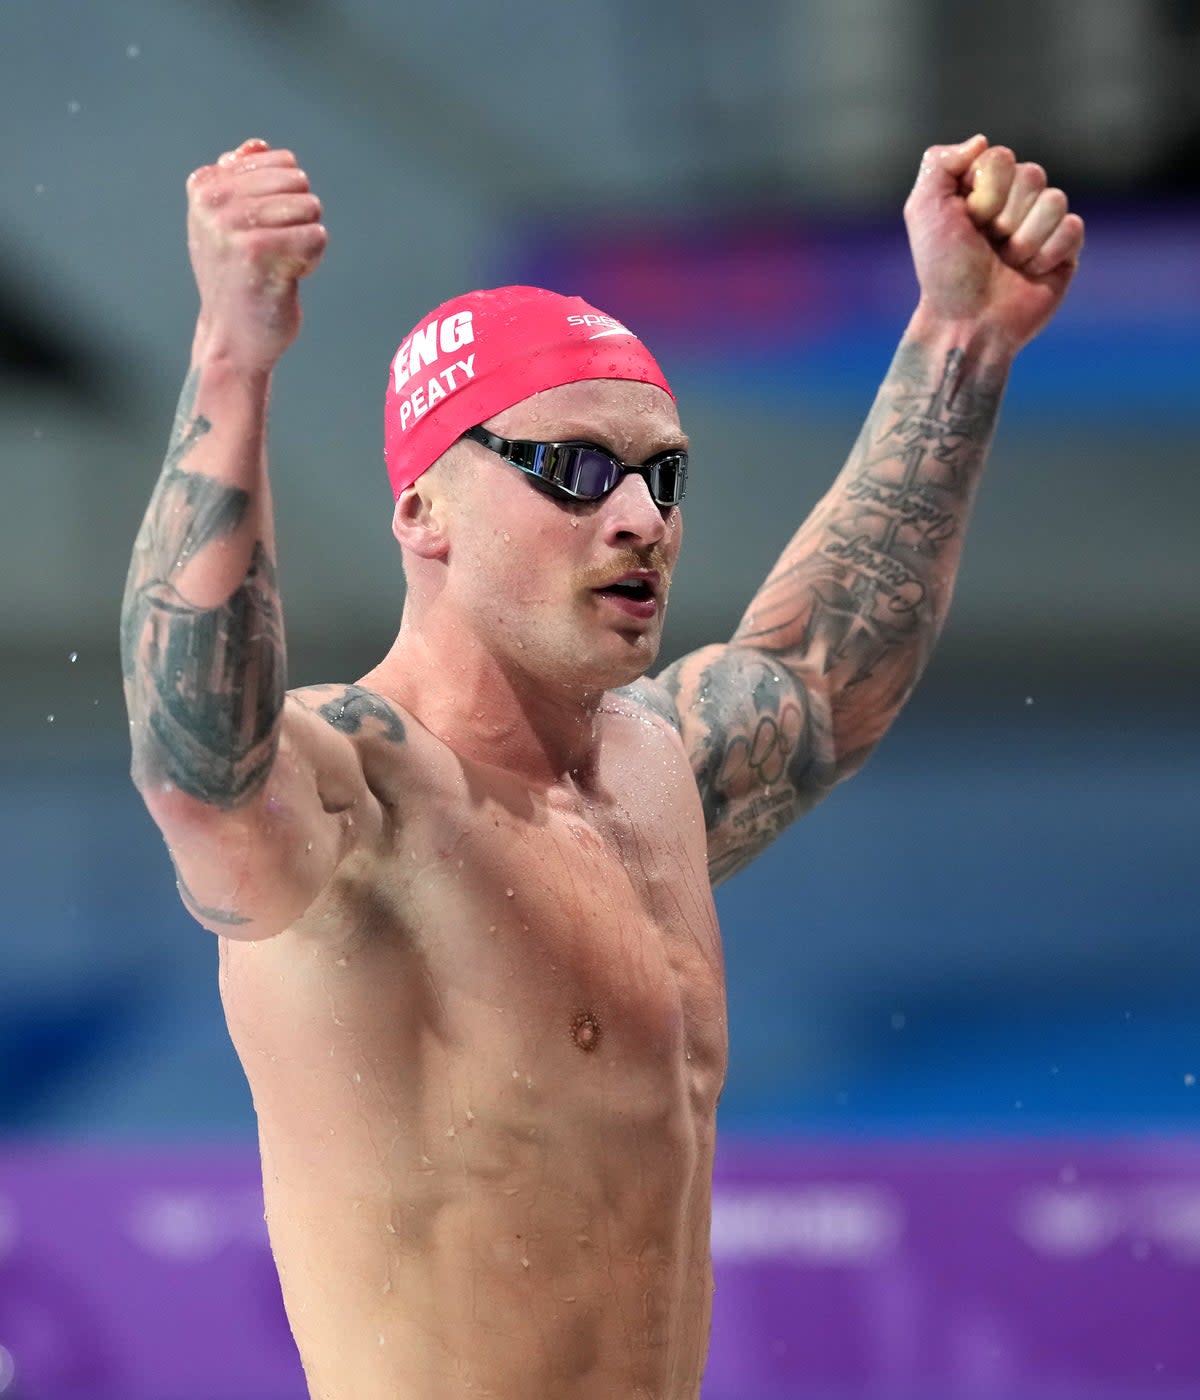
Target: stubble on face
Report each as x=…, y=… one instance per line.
x=535, y=564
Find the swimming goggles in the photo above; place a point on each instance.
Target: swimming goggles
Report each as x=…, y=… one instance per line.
x=581, y=471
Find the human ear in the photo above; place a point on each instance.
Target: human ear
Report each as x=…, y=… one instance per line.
x=418, y=523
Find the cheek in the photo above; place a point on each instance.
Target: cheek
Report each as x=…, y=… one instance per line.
x=517, y=564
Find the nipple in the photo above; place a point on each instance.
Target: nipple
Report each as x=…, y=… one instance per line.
x=585, y=1031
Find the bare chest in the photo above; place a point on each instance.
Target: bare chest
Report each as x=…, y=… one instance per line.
x=569, y=955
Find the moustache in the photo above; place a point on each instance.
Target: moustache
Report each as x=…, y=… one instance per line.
x=627, y=561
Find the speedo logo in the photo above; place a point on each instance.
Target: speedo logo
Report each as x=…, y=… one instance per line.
x=425, y=347
x=608, y=326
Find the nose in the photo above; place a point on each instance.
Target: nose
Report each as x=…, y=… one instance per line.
x=631, y=516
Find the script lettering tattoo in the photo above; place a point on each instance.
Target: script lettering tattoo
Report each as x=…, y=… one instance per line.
x=864, y=592
x=205, y=685
x=348, y=710
x=834, y=641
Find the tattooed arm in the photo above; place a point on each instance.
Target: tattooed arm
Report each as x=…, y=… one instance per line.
x=834, y=642
x=252, y=796
x=837, y=636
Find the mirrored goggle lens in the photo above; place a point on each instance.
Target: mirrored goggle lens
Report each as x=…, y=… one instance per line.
x=590, y=474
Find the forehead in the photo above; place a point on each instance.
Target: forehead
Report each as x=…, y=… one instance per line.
x=634, y=420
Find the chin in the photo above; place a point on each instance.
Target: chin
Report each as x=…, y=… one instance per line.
x=636, y=660
x=598, y=673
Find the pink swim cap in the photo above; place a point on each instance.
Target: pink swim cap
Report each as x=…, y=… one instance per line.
x=479, y=354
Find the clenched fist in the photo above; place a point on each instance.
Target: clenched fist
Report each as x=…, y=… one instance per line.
x=992, y=241
x=253, y=231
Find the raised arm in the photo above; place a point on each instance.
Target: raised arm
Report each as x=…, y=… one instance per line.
x=241, y=793
x=833, y=643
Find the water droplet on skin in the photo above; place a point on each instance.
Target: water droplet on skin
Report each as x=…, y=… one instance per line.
x=450, y=1131
x=509, y=893
x=132, y=51
x=387, y=1285
x=1189, y=1080
x=381, y=1339
x=507, y=539
x=391, y=1229
x=341, y=962
x=574, y=523
x=516, y=1075
x=74, y=108
x=357, y=1077
x=491, y=928
x=49, y=719
x=73, y=658
x=308, y=847
x=528, y=1082
x=1029, y=699
x=470, y=1117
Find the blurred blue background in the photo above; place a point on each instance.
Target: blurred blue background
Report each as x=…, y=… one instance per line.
x=993, y=930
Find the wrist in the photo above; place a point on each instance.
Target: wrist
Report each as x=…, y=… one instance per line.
x=220, y=358
x=221, y=368
x=981, y=338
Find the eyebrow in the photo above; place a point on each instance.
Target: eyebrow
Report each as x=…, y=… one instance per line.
x=597, y=438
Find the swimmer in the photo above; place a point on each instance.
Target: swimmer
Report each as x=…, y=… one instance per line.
x=468, y=950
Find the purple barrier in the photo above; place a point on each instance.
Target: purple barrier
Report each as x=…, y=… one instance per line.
x=863, y=1272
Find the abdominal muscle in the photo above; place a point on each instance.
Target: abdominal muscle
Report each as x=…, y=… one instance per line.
x=485, y=1069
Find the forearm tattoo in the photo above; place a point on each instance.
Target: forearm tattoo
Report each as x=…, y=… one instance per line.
x=861, y=592
x=205, y=685
x=833, y=643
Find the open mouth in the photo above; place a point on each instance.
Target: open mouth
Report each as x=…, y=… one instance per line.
x=636, y=596
x=636, y=589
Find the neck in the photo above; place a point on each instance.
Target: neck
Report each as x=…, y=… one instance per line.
x=489, y=710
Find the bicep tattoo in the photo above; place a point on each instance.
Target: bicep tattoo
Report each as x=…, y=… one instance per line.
x=760, y=746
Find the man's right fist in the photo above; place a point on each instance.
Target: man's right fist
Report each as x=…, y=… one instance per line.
x=253, y=231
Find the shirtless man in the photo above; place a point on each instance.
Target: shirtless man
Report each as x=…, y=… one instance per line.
x=468, y=951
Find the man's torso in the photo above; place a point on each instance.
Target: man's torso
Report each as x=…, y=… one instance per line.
x=485, y=1065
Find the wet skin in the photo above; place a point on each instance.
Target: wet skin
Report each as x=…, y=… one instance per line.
x=486, y=1065
x=468, y=950
x=469, y=956
x=486, y=1060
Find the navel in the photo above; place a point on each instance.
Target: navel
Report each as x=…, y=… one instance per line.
x=585, y=1031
